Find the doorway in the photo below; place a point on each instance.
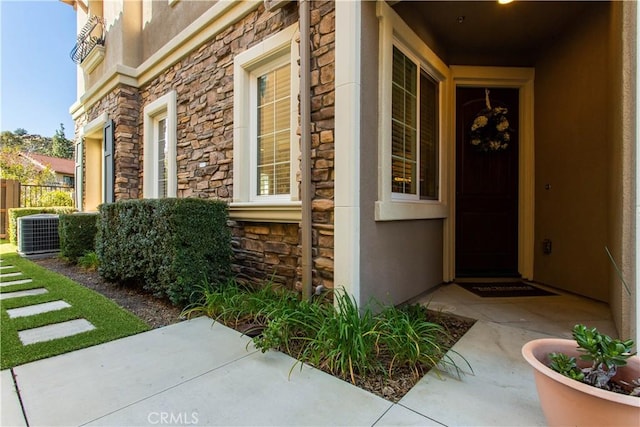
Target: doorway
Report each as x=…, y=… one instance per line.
x=487, y=183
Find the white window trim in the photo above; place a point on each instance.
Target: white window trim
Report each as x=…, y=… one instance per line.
x=391, y=206
x=79, y=174
x=246, y=204
x=165, y=106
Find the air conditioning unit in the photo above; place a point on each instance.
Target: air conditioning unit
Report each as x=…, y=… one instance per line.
x=38, y=235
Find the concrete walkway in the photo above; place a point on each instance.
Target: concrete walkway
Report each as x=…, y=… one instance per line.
x=200, y=373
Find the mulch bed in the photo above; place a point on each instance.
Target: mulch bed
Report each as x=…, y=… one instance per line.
x=159, y=312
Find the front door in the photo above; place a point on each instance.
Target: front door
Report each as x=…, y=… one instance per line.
x=486, y=182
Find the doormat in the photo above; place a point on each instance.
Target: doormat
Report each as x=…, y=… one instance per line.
x=503, y=290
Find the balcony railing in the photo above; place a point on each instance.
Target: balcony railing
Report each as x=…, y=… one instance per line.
x=91, y=35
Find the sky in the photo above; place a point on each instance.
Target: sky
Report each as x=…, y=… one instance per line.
x=37, y=76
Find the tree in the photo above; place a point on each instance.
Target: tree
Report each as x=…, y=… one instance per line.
x=25, y=142
x=61, y=146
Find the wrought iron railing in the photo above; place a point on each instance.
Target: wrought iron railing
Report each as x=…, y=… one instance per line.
x=91, y=35
x=31, y=195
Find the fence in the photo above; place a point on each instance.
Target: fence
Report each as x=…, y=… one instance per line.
x=16, y=195
x=9, y=198
x=30, y=195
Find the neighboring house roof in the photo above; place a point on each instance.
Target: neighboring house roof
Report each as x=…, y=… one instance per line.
x=56, y=164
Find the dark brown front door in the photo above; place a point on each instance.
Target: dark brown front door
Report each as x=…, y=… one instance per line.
x=486, y=189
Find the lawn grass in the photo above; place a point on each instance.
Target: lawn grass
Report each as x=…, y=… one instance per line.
x=111, y=321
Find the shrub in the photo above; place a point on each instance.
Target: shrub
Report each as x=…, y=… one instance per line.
x=77, y=234
x=168, y=245
x=56, y=198
x=89, y=261
x=16, y=213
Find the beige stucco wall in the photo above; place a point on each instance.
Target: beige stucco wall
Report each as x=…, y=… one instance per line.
x=162, y=21
x=135, y=30
x=398, y=259
x=123, y=20
x=573, y=111
x=621, y=240
x=93, y=174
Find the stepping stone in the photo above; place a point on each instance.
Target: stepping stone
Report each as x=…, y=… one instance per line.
x=4, y=267
x=57, y=330
x=27, y=293
x=30, y=310
x=16, y=282
x=11, y=274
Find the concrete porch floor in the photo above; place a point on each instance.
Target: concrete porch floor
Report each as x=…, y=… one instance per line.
x=553, y=315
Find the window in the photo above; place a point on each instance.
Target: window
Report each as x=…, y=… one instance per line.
x=160, y=130
x=273, y=136
x=414, y=133
x=160, y=176
x=266, y=147
x=413, y=83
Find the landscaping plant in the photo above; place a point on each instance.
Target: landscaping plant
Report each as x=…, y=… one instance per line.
x=56, y=198
x=346, y=341
x=342, y=339
x=165, y=245
x=605, y=354
x=77, y=233
x=89, y=261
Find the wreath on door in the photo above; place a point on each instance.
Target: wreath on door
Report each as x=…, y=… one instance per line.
x=490, y=129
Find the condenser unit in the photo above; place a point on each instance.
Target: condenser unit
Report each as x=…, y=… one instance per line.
x=38, y=235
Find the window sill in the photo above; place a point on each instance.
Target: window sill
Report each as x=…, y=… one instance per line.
x=406, y=210
x=289, y=212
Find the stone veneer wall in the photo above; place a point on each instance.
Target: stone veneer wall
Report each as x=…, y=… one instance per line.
x=203, y=81
x=122, y=106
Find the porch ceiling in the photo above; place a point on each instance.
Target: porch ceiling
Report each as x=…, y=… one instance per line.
x=490, y=34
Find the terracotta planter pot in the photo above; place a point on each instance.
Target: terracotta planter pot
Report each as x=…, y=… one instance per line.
x=569, y=402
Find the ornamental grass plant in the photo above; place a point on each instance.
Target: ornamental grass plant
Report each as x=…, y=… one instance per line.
x=343, y=339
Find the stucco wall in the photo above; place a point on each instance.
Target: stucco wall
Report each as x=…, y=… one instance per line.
x=92, y=187
x=399, y=259
x=573, y=110
x=161, y=22
x=622, y=225
x=122, y=41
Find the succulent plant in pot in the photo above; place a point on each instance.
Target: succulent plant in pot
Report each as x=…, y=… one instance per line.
x=606, y=355
x=591, y=380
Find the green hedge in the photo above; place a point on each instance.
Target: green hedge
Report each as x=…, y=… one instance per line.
x=168, y=245
x=77, y=234
x=16, y=213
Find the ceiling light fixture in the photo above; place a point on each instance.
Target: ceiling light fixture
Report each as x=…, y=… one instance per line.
x=504, y=1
